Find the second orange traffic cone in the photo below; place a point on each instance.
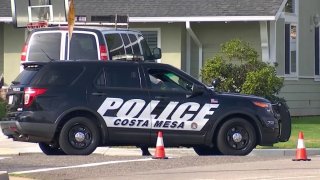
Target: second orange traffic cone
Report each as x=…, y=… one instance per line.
x=301, y=153
x=160, y=154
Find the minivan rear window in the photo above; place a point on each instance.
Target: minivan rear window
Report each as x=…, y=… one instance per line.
x=44, y=47
x=57, y=75
x=83, y=46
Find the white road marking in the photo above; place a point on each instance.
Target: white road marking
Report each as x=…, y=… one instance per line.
x=4, y=158
x=79, y=166
x=262, y=177
x=296, y=177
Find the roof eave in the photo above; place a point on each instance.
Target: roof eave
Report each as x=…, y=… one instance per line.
x=202, y=19
x=6, y=19
x=188, y=19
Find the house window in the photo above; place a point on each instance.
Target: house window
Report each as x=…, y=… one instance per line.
x=317, y=51
x=151, y=37
x=290, y=49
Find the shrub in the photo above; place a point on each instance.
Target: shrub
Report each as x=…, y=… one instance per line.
x=3, y=106
x=239, y=70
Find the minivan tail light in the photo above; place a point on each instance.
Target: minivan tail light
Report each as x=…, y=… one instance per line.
x=24, y=52
x=30, y=95
x=103, y=53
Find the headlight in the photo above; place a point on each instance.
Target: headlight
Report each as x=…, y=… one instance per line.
x=264, y=105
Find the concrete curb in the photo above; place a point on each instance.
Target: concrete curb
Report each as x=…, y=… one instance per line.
x=173, y=152
x=4, y=175
x=283, y=152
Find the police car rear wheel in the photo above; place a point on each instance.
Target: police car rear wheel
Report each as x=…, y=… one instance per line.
x=79, y=136
x=236, y=137
x=206, y=151
x=50, y=149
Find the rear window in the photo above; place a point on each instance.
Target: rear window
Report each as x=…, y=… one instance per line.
x=26, y=75
x=57, y=75
x=44, y=46
x=83, y=46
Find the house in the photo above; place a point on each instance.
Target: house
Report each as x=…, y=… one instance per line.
x=189, y=32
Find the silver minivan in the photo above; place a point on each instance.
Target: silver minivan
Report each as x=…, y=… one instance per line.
x=87, y=42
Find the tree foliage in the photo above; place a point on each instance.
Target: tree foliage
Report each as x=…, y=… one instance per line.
x=238, y=69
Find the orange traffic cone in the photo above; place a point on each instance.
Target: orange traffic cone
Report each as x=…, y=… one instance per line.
x=159, y=154
x=301, y=153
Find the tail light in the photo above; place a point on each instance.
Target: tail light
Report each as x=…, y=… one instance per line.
x=103, y=53
x=24, y=52
x=30, y=95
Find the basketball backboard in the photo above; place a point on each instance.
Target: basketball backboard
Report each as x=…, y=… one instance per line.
x=28, y=11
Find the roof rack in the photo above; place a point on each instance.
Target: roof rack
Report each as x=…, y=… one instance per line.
x=109, y=21
x=128, y=57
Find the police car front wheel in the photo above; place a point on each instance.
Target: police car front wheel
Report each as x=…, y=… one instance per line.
x=79, y=136
x=236, y=137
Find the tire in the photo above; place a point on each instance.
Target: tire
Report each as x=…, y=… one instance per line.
x=50, y=149
x=236, y=137
x=206, y=151
x=79, y=136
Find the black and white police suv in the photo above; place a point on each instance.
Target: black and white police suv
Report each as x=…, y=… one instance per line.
x=72, y=107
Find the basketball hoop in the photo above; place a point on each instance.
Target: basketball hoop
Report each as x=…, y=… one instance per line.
x=37, y=25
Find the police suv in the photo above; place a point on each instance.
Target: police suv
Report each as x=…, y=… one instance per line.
x=72, y=107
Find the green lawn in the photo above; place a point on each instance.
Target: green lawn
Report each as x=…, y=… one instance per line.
x=310, y=126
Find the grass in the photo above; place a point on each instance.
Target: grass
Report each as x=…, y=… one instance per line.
x=310, y=126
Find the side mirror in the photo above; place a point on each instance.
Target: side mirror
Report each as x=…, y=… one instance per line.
x=157, y=53
x=196, y=91
x=215, y=82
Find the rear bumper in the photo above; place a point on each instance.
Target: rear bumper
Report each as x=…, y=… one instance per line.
x=28, y=132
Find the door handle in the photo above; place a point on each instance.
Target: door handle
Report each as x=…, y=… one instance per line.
x=161, y=97
x=98, y=94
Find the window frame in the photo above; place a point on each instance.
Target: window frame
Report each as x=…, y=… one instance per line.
x=291, y=75
x=317, y=54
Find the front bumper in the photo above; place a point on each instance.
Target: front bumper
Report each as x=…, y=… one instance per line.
x=277, y=127
x=282, y=113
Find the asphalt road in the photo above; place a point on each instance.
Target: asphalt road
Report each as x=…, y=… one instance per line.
x=97, y=166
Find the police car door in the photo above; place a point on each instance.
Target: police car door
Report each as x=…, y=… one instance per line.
x=182, y=117
x=121, y=99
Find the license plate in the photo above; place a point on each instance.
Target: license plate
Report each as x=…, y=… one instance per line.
x=10, y=99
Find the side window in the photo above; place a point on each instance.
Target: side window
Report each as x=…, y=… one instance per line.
x=123, y=76
x=44, y=46
x=115, y=45
x=57, y=75
x=83, y=46
x=145, y=48
x=135, y=44
x=127, y=45
x=161, y=79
